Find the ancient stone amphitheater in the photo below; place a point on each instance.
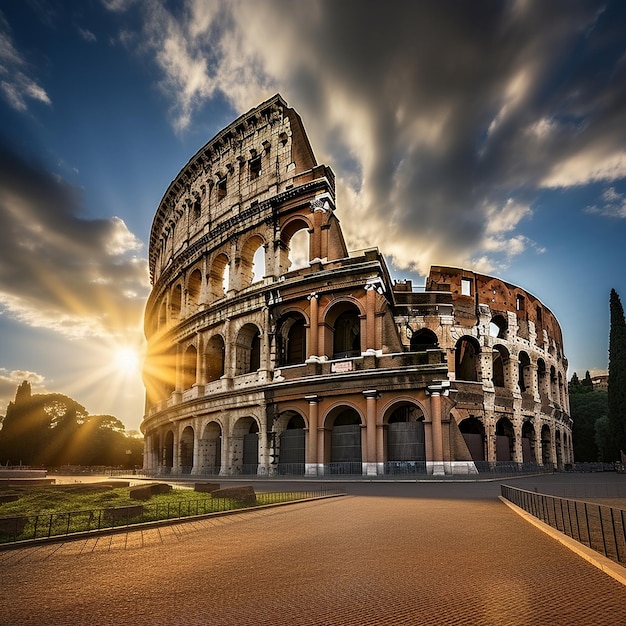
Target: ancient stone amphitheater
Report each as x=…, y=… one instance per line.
x=274, y=350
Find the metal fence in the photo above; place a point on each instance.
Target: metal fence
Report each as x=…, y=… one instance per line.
x=46, y=525
x=598, y=526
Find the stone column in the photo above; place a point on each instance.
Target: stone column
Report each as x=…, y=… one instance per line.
x=313, y=348
x=371, y=397
x=370, y=318
x=436, y=429
x=310, y=467
x=196, y=465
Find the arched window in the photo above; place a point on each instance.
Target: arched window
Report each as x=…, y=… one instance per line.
x=176, y=303
x=291, y=338
x=525, y=375
x=248, y=350
x=189, y=367
x=295, y=245
x=500, y=360
x=347, y=334
x=466, y=359
x=498, y=327
x=252, y=263
x=219, y=277
x=194, y=286
x=215, y=354
x=186, y=450
x=423, y=339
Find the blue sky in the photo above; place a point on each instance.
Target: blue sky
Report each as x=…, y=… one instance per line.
x=487, y=135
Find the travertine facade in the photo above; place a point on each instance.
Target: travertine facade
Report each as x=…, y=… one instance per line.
x=260, y=364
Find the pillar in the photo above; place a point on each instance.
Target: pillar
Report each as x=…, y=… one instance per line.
x=313, y=348
x=371, y=397
x=311, y=461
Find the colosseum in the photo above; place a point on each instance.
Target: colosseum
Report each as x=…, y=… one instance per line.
x=275, y=350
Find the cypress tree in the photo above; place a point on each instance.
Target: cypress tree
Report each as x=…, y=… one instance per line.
x=617, y=376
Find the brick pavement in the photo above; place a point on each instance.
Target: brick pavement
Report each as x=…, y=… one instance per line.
x=358, y=560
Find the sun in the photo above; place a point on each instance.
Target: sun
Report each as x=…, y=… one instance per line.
x=126, y=360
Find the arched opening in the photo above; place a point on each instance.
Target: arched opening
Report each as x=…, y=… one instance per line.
x=542, y=380
x=291, y=340
x=473, y=433
x=252, y=262
x=162, y=320
x=546, y=446
x=176, y=303
x=505, y=440
x=345, y=441
x=554, y=386
x=248, y=350
x=525, y=374
x=499, y=365
x=245, y=443
x=423, y=339
x=528, y=443
x=466, y=359
x=186, y=450
x=291, y=455
x=406, y=442
x=211, y=449
x=295, y=246
x=299, y=250
x=559, y=450
x=215, y=354
x=189, y=367
x=498, y=327
x=346, y=332
x=219, y=277
x=561, y=388
x=168, y=452
x=194, y=287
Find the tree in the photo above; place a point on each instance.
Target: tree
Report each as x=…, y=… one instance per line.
x=586, y=409
x=53, y=429
x=587, y=383
x=574, y=384
x=617, y=377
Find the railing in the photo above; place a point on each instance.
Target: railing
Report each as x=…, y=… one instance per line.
x=600, y=527
x=47, y=525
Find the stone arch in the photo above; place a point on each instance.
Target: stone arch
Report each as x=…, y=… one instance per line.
x=505, y=440
x=500, y=366
x=255, y=244
x=186, y=450
x=168, y=451
x=343, y=339
x=190, y=359
x=215, y=358
x=211, y=449
x=466, y=359
x=543, y=381
x=295, y=244
x=559, y=449
x=528, y=442
x=291, y=429
x=245, y=446
x=344, y=443
x=291, y=339
x=405, y=441
x=423, y=339
x=525, y=378
x=176, y=303
x=162, y=315
x=498, y=326
x=194, y=291
x=546, y=445
x=219, y=277
x=473, y=432
x=248, y=349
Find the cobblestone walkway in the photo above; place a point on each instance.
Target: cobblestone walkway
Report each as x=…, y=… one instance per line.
x=356, y=560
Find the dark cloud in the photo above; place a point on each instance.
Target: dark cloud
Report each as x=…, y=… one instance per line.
x=59, y=269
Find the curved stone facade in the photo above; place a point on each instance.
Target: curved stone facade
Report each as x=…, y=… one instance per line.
x=272, y=349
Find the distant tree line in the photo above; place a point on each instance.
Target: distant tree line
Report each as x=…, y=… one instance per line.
x=52, y=430
x=599, y=431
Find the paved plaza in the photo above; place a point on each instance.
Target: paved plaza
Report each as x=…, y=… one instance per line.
x=406, y=553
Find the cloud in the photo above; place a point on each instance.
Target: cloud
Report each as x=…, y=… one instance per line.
x=614, y=205
x=16, y=85
x=10, y=380
x=87, y=35
x=81, y=277
x=431, y=114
